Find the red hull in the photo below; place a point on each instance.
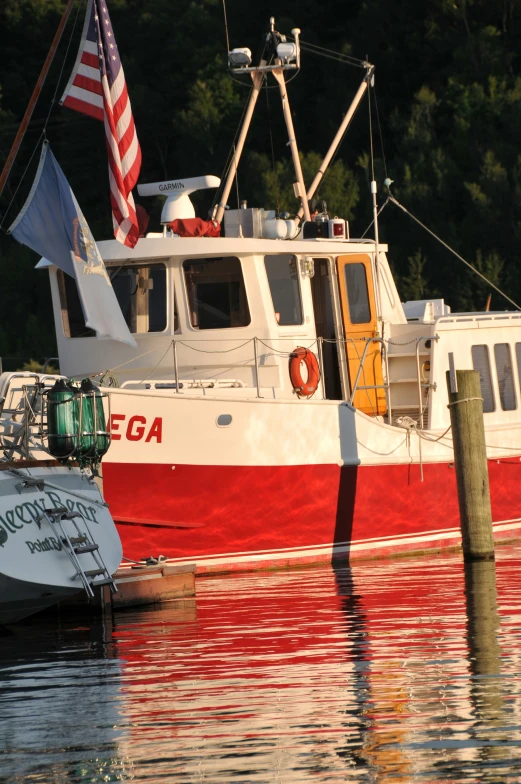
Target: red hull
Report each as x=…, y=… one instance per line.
x=233, y=517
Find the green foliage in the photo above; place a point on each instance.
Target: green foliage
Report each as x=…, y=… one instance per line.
x=448, y=77
x=33, y=366
x=339, y=187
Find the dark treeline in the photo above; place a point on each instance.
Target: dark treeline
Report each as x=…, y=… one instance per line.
x=448, y=94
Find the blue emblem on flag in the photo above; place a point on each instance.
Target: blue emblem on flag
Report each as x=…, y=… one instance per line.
x=52, y=224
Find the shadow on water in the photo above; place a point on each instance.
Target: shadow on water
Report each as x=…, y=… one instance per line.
x=484, y=654
x=345, y=513
x=357, y=650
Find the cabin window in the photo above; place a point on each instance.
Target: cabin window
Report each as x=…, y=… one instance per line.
x=505, y=376
x=72, y=314
x=518, y=358
x=176, y=316
x=141, y=293
x=481, y=363
x=357, y=293
x=282, y=274
x=216, y=293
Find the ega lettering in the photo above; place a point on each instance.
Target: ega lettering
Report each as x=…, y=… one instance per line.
x=136, y=428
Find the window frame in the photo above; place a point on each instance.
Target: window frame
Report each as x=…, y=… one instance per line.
x=350, y=266
x=491, y=377
x=186, y=295
x=509, y=352
x=297, y=260
x=168, y=278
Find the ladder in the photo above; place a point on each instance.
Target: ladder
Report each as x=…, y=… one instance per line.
x=78, y=544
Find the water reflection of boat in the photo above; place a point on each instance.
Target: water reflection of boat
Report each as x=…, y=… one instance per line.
x=56, y=534
x=293, y=676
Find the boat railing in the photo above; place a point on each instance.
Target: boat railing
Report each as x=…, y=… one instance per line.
x=429, y=385
x=24, y=410
x=263, y=348
x=357, y=387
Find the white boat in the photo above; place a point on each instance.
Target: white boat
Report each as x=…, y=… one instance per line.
x=57, y=536
x=226, y=451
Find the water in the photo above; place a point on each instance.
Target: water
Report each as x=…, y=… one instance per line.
x=398, y=671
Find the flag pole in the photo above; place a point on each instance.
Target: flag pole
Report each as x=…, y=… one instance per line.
x=34, y=97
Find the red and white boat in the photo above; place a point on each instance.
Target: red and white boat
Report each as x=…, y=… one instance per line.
x=224, y=452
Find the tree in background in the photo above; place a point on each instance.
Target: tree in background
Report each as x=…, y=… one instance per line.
x=448, y=82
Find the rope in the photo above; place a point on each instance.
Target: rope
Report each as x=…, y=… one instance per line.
x=433, y=440
x=463, y=400
x=157, y=365
x=223, y=351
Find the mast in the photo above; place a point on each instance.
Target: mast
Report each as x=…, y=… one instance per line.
x=34, y=97
x=340, y=134
x=258, y=79
x=300, y=190
x=286, y=56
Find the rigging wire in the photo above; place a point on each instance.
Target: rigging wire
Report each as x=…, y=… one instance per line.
x=276, y=179
x=226, y=27
x=330, y=54
x=237, y=180
x=370, y=129
x=43, y=135
x=231, y=153
x=445, y=245
x=53, y=101
x=380, y=131
x=40, y=138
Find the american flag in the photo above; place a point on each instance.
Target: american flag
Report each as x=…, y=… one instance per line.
x=97, y=87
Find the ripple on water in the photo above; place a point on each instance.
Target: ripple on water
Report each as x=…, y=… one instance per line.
x=395, y=671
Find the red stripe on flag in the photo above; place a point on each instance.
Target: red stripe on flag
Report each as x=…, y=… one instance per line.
x=87, y=58
x=84, y=108
x=88, y=84
x=114, y=107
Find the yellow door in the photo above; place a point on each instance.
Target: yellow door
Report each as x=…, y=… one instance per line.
x=357, y=297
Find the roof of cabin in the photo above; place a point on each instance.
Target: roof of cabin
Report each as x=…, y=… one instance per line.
x=159, y=247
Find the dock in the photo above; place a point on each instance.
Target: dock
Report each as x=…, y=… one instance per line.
x=140, y=585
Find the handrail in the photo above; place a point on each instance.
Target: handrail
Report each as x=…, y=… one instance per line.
x=421, y=407
x=374, y=386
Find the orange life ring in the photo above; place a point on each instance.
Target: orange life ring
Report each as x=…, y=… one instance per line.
x=299, y=355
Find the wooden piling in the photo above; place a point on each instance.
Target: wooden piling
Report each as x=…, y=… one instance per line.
x=470, y=461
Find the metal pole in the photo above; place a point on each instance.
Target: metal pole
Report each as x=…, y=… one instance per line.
x=387, y=385
x=176, y=369
x=338, y=138
x=34, y=97
x=418, y=376
x=320, y=346
x=257, y=84
x=256, y=366
x=279, y=76
x=376, y=250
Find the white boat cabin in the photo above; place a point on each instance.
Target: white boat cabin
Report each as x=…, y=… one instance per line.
x=221, y=316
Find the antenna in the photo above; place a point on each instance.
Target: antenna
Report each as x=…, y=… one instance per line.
x=279, y=55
